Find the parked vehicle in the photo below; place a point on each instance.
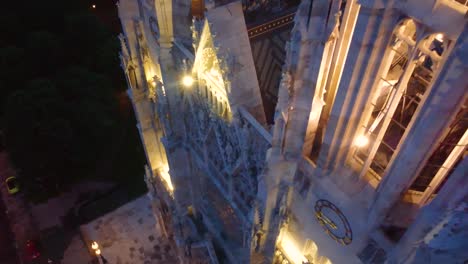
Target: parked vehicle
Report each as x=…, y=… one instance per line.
x=32, y=250
x=12, y=185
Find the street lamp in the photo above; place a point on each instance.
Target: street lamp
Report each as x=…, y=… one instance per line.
x=94, y=245
x=97, y=251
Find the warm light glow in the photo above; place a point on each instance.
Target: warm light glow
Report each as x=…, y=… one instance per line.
x=187, y=80
x=97, y=251
x=94, y=6
x=153, y=83
x=361, y=141
x=214, y=72
x=94, y=245
x=167, y=178
x=291, y=250
x=440, y=37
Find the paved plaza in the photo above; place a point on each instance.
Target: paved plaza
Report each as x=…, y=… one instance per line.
x=129, y=235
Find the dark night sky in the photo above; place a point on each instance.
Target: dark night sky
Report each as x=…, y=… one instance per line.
x=106, y=11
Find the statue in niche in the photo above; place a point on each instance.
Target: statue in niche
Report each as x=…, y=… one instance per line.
x=257, y=237
x=185, y=65
x=336, y=29
x=144, y=51
x=151, y=93
x=286, y=82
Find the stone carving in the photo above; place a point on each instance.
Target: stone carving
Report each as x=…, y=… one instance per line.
x=160, y=104
x=153, y=25
x=138, y=29
x=256, y=238
x=286, y=84
x=184, y=65
x=209, y=60
x=197, y=26
x=124, y=45
x=144, y=51
x=151, y=93
x=209, y=64
x=235, y=149
x=336, y=29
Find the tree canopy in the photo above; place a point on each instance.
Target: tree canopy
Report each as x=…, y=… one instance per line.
x=62, y=111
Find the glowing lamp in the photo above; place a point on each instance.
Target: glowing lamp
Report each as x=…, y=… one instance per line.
x=94, y=245
x=291, y=250
x=440, y=37
x=97, y=251
x=187, y=81
x=361, y=141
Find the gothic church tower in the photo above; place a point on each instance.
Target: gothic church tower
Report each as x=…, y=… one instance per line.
x=365, y=161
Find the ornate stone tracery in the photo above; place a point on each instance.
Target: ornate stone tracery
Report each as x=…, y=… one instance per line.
x=235, y=149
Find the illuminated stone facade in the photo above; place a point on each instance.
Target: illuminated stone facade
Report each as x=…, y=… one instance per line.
x=366, y=159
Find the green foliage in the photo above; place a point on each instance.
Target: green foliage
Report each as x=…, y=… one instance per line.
x=38, y=132
x=61, y=107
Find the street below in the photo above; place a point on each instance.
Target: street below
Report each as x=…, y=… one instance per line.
x=7, y=243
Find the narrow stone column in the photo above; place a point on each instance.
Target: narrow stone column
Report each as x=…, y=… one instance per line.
x=139, y=95
x=446, y=94
x=305, y=78
x=436, y=216
x=277, y=190
x=282, y=165
x=166, y=33
x=370, y=39
x=180, y=173
x=280, y=112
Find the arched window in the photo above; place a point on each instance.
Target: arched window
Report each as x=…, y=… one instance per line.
x=405, y=78
x=449, y=152
x=321, y=99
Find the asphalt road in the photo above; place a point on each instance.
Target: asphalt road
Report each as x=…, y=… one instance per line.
x=7, y=249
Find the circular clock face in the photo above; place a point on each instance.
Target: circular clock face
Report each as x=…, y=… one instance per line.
x=153, y=24
x=333, y=221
